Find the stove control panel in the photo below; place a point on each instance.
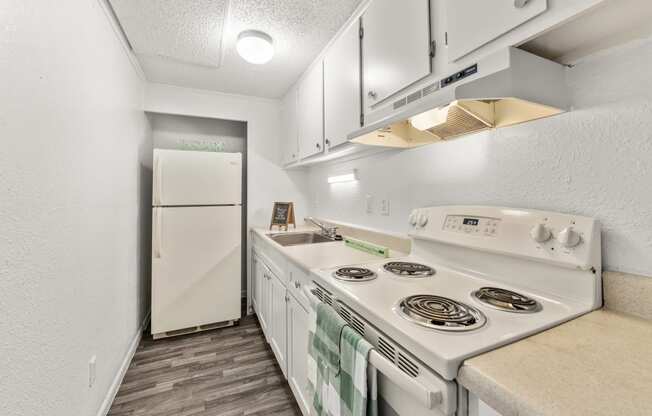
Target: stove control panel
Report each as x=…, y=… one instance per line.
x=563, y=239
x=479, y=226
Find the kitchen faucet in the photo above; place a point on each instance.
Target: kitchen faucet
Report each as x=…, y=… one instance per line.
x=330, y=232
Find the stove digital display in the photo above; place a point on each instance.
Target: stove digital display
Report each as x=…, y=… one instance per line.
x=471, y=221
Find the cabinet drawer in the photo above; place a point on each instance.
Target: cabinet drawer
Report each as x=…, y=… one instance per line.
x=272, y=257
x=298, y=278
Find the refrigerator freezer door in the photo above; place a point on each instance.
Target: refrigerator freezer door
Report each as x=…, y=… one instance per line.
x=187, y=178
x=196, y=266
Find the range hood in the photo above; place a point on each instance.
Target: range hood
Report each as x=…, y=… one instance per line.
x=508, y=87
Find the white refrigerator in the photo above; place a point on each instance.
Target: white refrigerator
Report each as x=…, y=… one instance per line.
x=196, y=240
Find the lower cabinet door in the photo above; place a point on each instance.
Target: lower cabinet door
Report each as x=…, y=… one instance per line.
x=260, y=298
x=277, y=321
x=297, y=328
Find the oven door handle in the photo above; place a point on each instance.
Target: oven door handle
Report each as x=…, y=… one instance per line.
x=427, y=396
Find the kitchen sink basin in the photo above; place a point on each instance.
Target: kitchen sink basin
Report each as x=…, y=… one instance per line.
x=295, y=239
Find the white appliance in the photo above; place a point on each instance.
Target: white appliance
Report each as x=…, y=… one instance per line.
x=476, y=278
x=507, y=87
x=196, y=240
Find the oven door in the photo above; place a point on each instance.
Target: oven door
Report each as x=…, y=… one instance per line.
x=400, y=394
x=405, y=387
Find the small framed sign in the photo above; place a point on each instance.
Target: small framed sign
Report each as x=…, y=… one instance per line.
x=282, y=215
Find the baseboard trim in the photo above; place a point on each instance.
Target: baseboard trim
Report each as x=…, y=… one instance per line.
x=117, y=380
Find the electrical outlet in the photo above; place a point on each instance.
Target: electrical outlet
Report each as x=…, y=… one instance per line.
x=92, y=370
x=384, y=207
x=369, y=204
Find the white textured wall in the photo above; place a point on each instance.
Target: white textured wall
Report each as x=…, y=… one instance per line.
x=74, y=206
x=595, y=161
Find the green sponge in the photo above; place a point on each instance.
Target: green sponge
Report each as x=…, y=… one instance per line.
x=367, y=247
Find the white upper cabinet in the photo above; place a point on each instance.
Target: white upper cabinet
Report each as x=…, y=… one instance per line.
x=311, y=112
x=289, y=128
x=472, y=23
x=342, y=87
x=395, y=47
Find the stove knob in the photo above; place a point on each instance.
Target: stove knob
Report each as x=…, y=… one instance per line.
x=568, y=237
x=413, y=218
x=540, y=233
x=422, y=220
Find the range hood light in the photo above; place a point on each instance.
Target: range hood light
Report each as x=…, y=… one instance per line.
x=345, y=177
x=430, y=118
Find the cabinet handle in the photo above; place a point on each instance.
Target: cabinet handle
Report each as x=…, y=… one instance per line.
x=293, y=156
x=297, y=284
x=519, y=4
x=328, y=142
x=318, y=146
x=373, y=94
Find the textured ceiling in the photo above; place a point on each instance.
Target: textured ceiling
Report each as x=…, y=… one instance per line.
x=176, y=40
x=187, y=31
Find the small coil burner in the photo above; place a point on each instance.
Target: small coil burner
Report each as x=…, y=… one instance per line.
x=408, y=269
x=440, y=313
x=354, y=274
x=506, y=300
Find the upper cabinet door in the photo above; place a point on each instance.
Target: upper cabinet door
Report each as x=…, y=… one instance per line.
x=311, y=112
x=471, y=23
x=342, y=87
x=395, y=47
x=290, y=129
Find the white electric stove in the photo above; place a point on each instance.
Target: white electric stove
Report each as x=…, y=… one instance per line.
x=477, y=278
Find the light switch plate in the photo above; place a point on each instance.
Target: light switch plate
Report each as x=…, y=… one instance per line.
x=384, y=207
x=92, y=370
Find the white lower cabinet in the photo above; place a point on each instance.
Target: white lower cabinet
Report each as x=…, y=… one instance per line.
x=278, y=321
x=297, y=316
x=283, y=318
x=479, y=408
x=259, y=292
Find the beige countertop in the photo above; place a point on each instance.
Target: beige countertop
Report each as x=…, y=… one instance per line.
x=322, y=255
x=599, y=364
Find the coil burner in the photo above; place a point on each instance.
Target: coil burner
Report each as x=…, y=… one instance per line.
x=440, y=313
x=354, y=274
x=409, y=269
x=506, y=300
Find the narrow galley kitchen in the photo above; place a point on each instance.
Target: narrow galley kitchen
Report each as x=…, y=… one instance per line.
x=303, y=208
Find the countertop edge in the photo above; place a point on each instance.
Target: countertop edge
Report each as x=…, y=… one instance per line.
x=493, y=393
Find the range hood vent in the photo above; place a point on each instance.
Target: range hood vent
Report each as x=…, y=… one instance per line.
x=506, y=88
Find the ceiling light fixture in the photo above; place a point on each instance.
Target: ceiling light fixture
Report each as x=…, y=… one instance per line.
x=255, y=47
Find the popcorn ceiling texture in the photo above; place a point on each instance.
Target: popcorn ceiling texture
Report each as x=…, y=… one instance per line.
x=300, y=29
x=188, y=31
x=595, y=160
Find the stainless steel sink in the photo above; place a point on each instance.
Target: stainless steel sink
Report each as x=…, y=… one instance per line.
x=295, y=239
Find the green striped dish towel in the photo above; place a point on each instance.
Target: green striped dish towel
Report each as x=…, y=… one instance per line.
x=339, y=378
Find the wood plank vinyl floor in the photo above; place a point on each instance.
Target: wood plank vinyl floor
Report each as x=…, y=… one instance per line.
x=229, y=372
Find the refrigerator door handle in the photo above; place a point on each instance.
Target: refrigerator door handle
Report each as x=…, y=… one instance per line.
x=155, y=181
x=158, y=223
x=159, y=180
